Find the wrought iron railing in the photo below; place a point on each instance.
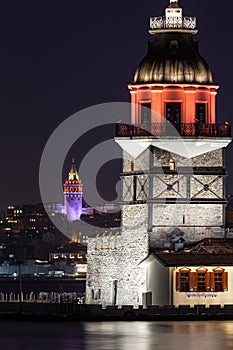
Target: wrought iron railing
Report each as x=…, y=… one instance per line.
x=164, y=22
x=168, y=129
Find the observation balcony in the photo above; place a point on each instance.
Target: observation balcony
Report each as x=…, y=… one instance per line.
x=173, y=130
x=172, y=23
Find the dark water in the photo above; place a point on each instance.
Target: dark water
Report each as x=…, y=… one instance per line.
x=116, y=335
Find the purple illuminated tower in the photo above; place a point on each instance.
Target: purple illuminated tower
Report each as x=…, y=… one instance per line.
x=73, y=194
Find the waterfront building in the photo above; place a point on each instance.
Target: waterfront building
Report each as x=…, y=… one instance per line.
x=172, y=246
x=73, y=257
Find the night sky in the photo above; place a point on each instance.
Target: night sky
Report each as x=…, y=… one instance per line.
x=58, y=57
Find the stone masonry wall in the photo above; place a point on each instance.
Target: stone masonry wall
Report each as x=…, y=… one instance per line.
x=118, y=259
x=102, y=259
x=209, y=159
x=140, y=164
x=191, y=222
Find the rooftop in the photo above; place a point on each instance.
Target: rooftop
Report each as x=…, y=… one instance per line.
x=208, y=252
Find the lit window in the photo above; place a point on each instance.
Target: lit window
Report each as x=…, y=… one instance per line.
x=172, y=164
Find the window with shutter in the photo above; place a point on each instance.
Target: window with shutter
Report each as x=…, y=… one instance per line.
x=219, y=280
x=184, y=281
x=202, y=280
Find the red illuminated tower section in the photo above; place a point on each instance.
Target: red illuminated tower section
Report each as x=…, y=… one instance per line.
x=173, y=80
x=73, y=194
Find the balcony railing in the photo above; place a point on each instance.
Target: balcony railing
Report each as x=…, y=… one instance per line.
x=172, y=130
x=163, y=22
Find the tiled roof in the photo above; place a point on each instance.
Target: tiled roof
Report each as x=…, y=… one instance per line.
x=208, y=252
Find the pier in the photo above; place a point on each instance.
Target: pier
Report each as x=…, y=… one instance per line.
x=53, y=306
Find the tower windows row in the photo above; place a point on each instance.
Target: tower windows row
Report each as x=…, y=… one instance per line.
x=72, y=189
x=173, y=113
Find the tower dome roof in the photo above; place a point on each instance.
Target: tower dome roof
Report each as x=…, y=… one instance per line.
x=173, y=57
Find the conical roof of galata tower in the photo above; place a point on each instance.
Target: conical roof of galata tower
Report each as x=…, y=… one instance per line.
x=173, y=57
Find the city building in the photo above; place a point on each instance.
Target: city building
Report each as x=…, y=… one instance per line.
x=66, y=260
x=30, y=218
x=173, y=247
x=14, y=219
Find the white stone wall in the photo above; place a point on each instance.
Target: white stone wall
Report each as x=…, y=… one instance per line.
x=189, y=221
x=102, y=268
x=140, y=164
x=192, y=222
x=119, y=259
x=128, y=188
x=213, y=158
x=214, y=182
x=133, y=247
x=178, y=183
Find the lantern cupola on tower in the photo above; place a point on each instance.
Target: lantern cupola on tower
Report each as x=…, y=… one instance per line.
x=173, y=20
x=173, y=15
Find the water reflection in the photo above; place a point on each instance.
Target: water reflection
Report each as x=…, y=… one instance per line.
x=117, y=335
x=162, y=335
